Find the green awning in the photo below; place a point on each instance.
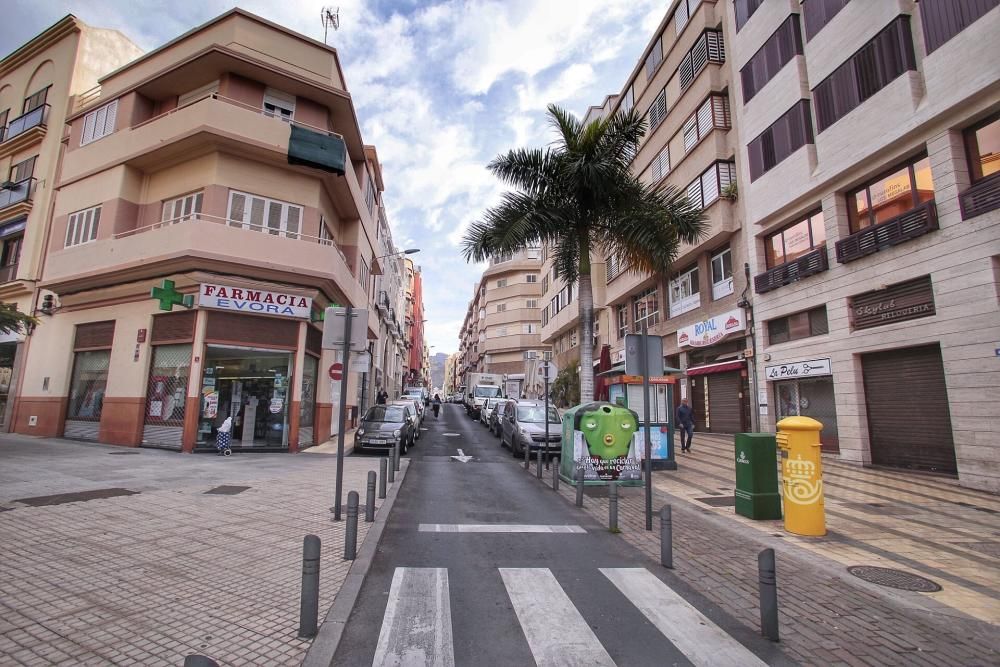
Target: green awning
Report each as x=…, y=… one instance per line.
x=318, y=150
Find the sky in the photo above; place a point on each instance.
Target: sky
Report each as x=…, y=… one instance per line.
x=440, y=89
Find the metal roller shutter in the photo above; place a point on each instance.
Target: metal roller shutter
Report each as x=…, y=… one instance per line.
x=909, y=422
x=724, y=404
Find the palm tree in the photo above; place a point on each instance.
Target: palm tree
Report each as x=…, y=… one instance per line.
x=579, y=196
x=14, y=321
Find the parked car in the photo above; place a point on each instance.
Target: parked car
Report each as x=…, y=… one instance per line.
x=416, y=409
x=420, y=392
x=489, y=405
x=497, y=415
x=522, y=427
x=384, y=426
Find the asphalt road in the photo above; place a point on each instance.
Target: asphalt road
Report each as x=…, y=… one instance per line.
x=519, y=598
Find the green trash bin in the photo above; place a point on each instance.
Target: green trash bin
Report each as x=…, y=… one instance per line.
x=757, y=492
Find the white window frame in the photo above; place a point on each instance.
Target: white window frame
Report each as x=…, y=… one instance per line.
x=660, y=166
x=531, y=278
x=657, y=111
x=181, y=209
x=325, y=235
x=531, y=303
x=501, y=307
x=284, y=211
x=99, y=123
x=529, y=328
x=533, y=253
x=621, y=317
x=81, y=226
x=628, y=100
x=650, y=317
x=722, y=287
x=684, y=296
x=283, y=103
x=502, y=282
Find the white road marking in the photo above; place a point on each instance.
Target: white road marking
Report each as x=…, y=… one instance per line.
x=416, y=628
x=694, y=634
x=556, y=632
x=496, y=528
x=462, y=457
x=451, y=435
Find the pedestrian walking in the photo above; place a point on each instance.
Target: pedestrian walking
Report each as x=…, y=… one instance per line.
x=685, y=422
x=437, y=405
x=381, y=397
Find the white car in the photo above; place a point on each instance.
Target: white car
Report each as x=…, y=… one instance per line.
x=489, y=405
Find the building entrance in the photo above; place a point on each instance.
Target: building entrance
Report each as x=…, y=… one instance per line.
x=251, y=386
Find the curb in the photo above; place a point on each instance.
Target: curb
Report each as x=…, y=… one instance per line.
x=324, y=646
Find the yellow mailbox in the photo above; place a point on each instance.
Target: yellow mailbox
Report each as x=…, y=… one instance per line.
x=802, y=475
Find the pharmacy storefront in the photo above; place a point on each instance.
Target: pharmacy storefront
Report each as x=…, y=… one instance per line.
x=805, y=388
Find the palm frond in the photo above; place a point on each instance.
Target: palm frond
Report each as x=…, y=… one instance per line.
x=567, y=125
x=527, y=169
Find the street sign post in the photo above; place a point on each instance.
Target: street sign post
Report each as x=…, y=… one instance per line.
x=634, y=348
x=548, y=371
x=647, y=365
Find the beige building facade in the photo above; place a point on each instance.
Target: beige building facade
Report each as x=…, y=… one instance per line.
x=214, y=197
x=37, y=82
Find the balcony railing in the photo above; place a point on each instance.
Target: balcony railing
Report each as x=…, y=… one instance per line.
x=15, y=193
x=811, y=263
x=915, y=222
x=8, y=273
x=981, y=197
x=23, y=123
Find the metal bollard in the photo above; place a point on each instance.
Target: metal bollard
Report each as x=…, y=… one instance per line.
x=351, y=537
x=196, y=660
x=370, y=498
x=392, y=469
x=579, y=486
x=309, y=601
x=768, y=594
x=666, y=538
x=555, y=477
x=395, y=457
x=538, y=464
x=527, y=457
x=383, y=466
x=613, y=506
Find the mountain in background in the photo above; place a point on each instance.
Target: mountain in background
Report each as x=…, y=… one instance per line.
x=437, y=370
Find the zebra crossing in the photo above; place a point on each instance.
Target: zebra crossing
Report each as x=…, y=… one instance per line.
x=417, y=628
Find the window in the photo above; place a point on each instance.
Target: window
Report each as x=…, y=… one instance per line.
x=572, y=339
x=264, y=215
x=683, y=12
x=502, y=283
x=799, y=325
x=501, y=307
x=3, y=123
x=713, y=113
x=872, y=68
x=708, y=48
x=364, y=273
x=777, y=51
x=615, y=267
x=529, y=328
x=943, y=19
x=628, y=100
x=659, y=167
x=182, y=208
x=890, y=195
x=817, y=13
x=530, y=354
x=82, y=226
x=547, y=355
x=501, y=331
x=36, y=100
x=11, y=251
x=545, y=283
x=325, y=235
x=722, y=273
x=982, y=143
x=545, y=315
x=23, y=170
x=621, y=319
x=279, y=105
x=533, y=253
x=99, y=123
x=531, y=303
x=657, y=111
x=744, y=10
x=646, y=308
x=684, y=294
x=795, y=240
x=531, y=278
x=88, y=385
x=654, y=58
x=707, y=188
x=369, y=193
x=789, y=133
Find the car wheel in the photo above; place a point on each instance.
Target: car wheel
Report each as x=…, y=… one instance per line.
x=515, y=448
x=402, y=448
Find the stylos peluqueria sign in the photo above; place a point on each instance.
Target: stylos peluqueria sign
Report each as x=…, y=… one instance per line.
x=254, y=301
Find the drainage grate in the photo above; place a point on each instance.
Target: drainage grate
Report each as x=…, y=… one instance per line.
x=718, y=501
x=122, y=453
x=884, y=576
x=225, y=490
x=79, y=497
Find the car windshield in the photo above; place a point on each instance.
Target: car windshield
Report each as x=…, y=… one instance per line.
x=487, y=392
x=385, y=413
x=535, y=414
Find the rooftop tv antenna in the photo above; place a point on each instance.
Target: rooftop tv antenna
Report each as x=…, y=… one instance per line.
x=330, y=18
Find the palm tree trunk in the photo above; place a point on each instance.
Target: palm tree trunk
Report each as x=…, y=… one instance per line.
x=586, y=297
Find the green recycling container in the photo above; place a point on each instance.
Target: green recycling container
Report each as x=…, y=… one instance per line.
x=757, y=491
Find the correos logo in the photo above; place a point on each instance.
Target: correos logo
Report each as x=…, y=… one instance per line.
x=743, y=458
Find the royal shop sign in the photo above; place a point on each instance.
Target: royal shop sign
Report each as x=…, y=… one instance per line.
x=712, y=330
x=254, y=301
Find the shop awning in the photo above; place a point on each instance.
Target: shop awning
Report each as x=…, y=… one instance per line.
x=620, y=370
x=318, y=150
x=721, y=367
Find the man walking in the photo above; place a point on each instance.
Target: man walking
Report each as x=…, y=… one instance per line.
x=685, y=422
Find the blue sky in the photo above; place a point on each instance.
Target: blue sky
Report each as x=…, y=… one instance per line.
x=440, y=89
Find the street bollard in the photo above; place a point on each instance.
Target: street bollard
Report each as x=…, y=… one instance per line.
x=392, y=469
x=768, y=594
x=555, y=477
x=309, y=601
x=351, y=537
x=195, y=660
x=383, y=466
x=613, y=506
x=538, y=464
x=395, y=457
x=527, y=457
x=666, y=538
x=579, y=486
x=370, y=498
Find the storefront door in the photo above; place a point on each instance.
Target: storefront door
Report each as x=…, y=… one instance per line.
x=811, y=397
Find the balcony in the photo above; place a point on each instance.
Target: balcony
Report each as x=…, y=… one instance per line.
x=915, y=222
x=23, y=130
x=981, y=197
x=208, y=243
x=16, y=194
x=8, y=273
x=811, y=263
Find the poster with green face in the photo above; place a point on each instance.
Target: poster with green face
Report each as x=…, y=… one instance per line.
x=604, y=441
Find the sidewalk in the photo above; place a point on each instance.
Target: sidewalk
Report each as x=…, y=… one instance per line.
x=170, y=569
x=926, y=525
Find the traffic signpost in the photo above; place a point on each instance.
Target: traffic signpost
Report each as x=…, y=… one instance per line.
x=547, y=370
x=644, y=356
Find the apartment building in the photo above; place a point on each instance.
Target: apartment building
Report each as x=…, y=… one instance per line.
x=415, y=369
x=215, y=196
x=388, y=298
x=870, y=135
x=37, y=82
x=501, y=331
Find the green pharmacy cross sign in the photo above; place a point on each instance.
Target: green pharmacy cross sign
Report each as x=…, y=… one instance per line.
x=168, y=296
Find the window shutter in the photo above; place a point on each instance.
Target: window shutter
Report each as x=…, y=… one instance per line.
x=690, y=131
x=658, y=110
x=720, y=111
x=694, y=193
x=705, y=123
x=294, y=213
x=716, y=49
x=699, y=53
x=257, y=209
x=110, y=115
x=88, y=128
x=710, y=185
x=274, y=217
x=686, y=72
x=237, y=208
x=95, y=219
x=755, y=154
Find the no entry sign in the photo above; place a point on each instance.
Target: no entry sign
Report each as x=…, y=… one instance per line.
x=336, y=370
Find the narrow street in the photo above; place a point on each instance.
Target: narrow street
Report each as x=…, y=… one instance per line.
x=458, y=578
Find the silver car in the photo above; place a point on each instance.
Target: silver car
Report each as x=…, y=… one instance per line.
x=522, y=427
x=417, y=408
